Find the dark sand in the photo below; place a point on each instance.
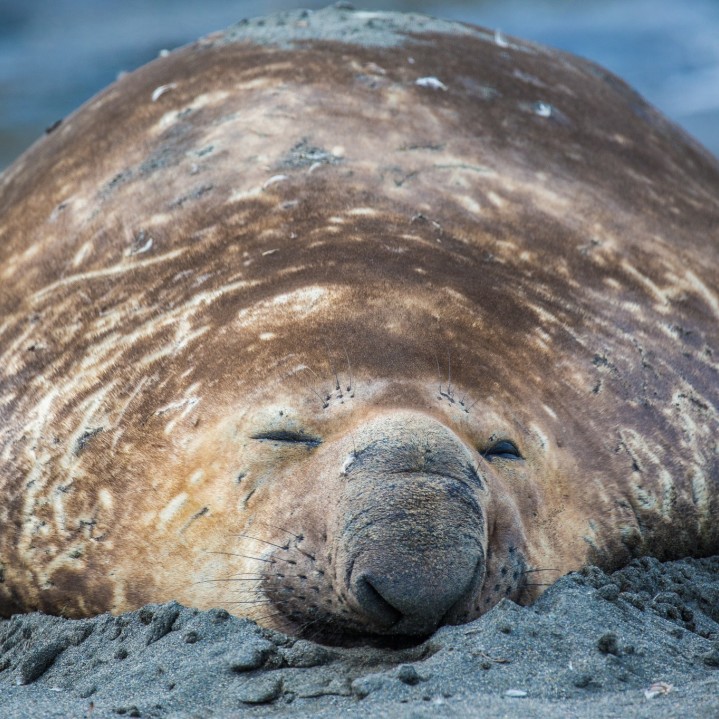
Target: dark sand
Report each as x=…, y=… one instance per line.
x=590, y=647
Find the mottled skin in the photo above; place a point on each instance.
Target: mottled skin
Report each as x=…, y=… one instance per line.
x=260, y=334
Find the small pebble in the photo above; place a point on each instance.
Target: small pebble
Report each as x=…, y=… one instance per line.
x=87, y=691
x=250, y=656
x=431, y=82
x=262, y=690
x=131, y=711
x=608, y=644
x=543, y=109
x=609, y=592
x=305, y=654
x=515, y=693
x=634, y=599
x=582, y=680
x=218, y=616
x=78, y=636
x=711, y=658
x=162, y=622
x=38, y=661
x=668, y=611
x=364, y=686
x=669, y=598
x=407, y=674
x=657, y=689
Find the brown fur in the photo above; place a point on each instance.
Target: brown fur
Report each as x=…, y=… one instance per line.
x=305, y=236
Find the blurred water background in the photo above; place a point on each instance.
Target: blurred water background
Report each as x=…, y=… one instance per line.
x=55, y=54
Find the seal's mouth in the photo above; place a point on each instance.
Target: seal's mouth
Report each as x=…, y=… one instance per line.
x=401, y=632
x=417, y=600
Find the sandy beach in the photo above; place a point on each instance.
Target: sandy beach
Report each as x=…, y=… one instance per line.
x=641, y=642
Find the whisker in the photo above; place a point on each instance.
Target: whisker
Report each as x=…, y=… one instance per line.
x=274, y=559
x=258, y=578
x=232, y=579
x=307, y=554
x=305, y=368
x=264, y=541
x=269, y=616
x=439, y=371
x=349, y=369
x=319, y=631
x=527, y=571
x=538, y=584
x=299, y=537
x=312, y=389
x=247, y=556
x=332, y=365
x=471, y=406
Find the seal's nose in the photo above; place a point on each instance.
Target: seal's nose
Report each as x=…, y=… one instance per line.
x=411, y=545
x=409, y=600
x=413, y=552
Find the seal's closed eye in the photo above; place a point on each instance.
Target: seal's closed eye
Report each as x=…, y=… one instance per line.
x=504, y=449
x=284, y=435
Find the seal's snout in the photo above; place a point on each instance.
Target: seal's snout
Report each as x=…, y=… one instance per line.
x=411, y=545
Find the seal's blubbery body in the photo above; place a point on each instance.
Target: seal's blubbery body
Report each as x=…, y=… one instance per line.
x=350, y=330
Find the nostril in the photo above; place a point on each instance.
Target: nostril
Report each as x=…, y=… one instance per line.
x=373, y=603
x=411, y=595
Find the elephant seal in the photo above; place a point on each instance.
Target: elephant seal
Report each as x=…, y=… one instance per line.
x=354, y=324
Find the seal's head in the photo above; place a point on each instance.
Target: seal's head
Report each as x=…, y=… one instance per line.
x=353, y=324
x=380, y=507
x=403, y=546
